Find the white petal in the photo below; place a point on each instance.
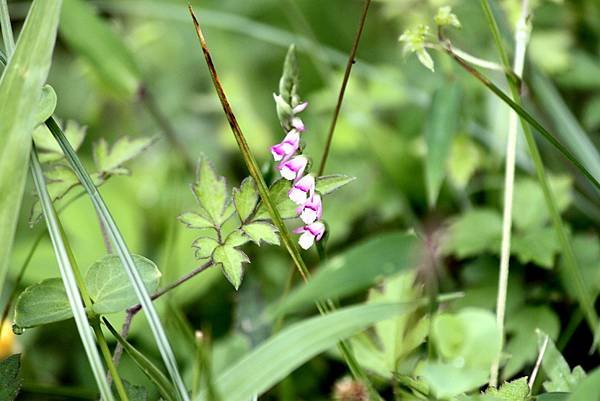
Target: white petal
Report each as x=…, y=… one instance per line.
x=287, y=173
x=306, y=240
x=297, y=196
x=308, y=216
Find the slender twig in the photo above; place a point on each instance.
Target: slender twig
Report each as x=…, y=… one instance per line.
x=263, y=190
x=149, y=102
x=521, y=37
x=538, y=363
x=338, y=106
x=132, y=311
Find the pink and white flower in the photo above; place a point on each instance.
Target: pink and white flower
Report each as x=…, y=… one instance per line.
x=287, y=147
x=310, y=233
x=312, y=210
x=300, y=108
x=302, y=189
x=294, y=168
x=297, y=124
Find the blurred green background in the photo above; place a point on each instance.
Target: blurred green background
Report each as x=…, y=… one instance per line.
x=379, y=139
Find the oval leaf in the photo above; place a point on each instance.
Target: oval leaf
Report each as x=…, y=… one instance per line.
x=42, y=303
x=109, y=285
x=327, y=184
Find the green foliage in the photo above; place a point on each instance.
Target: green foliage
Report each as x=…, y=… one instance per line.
x=165, y=388
x=219, y=245
x=474, y=232
x=110, y=160
x=358, y=268
x=47, y=104
x=516, y=390
x=10, y=377
x=274, y=359
x=109, y=288
x=441, y=127
x=467, y=343
x=560, y=376
x=106, y=281
x=20, y=93
x=102, y=48
x=587, y=389
x=522, y=325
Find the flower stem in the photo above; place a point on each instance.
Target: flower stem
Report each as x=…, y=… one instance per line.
x=263, y=190
x=521, y=37
x=338, y=106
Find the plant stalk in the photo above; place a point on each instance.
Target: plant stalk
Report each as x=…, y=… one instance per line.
x=573, y=271
x=521, y=38
x=263, y=190
x=338, y=106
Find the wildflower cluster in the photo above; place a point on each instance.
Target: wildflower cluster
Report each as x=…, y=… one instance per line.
x=293, y=165
x=417, y=40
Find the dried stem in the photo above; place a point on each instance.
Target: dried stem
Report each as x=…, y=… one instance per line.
x=338, y=106
x=521, y=37
x=538, y=363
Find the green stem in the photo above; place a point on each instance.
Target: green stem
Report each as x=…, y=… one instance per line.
x=273, y=212
x=7, y=33
x=573, y=271
x=125, y=256
x=338, y=106
x=63, y=257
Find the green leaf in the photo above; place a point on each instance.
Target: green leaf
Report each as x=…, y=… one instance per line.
x=446, y=380
x=211, y=192
x=359, y=267
x=537, y=245
x=470, y=336
x=92, y=39
x=521, y=326
x=464, y=160
x=60, y=180
x=49, y=150
x=10, y=377
x=237, y=238
x=20, y=92
x=205, y=247
x=46, y=105
x=245, y=198
x=442, y=123
x=425, y=59
x=587, y=389
x=278, y=192
x=262, y=232
x=288, y=84
x=529, y=206
x=474, y=232
x=110, y=160
x=135, y=393
x=42, y=303
x=195, y=220
x=516, y=390
x=557, y=370
x=109, y=286
x=165, y=388
x=231, y=261
x=327, y=184
x=567, y=127
x=554, y=396
x=277, y=357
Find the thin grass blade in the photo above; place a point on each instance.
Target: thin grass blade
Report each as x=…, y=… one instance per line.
x=66, y=272
x=123, y=252
x=20, y=91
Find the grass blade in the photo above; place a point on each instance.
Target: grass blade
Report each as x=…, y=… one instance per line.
x=123, y=252
x=277, y=357
x=566, y=125
x=573, y=272
x=66, y=272
x=158, y=378
x=20, y=91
